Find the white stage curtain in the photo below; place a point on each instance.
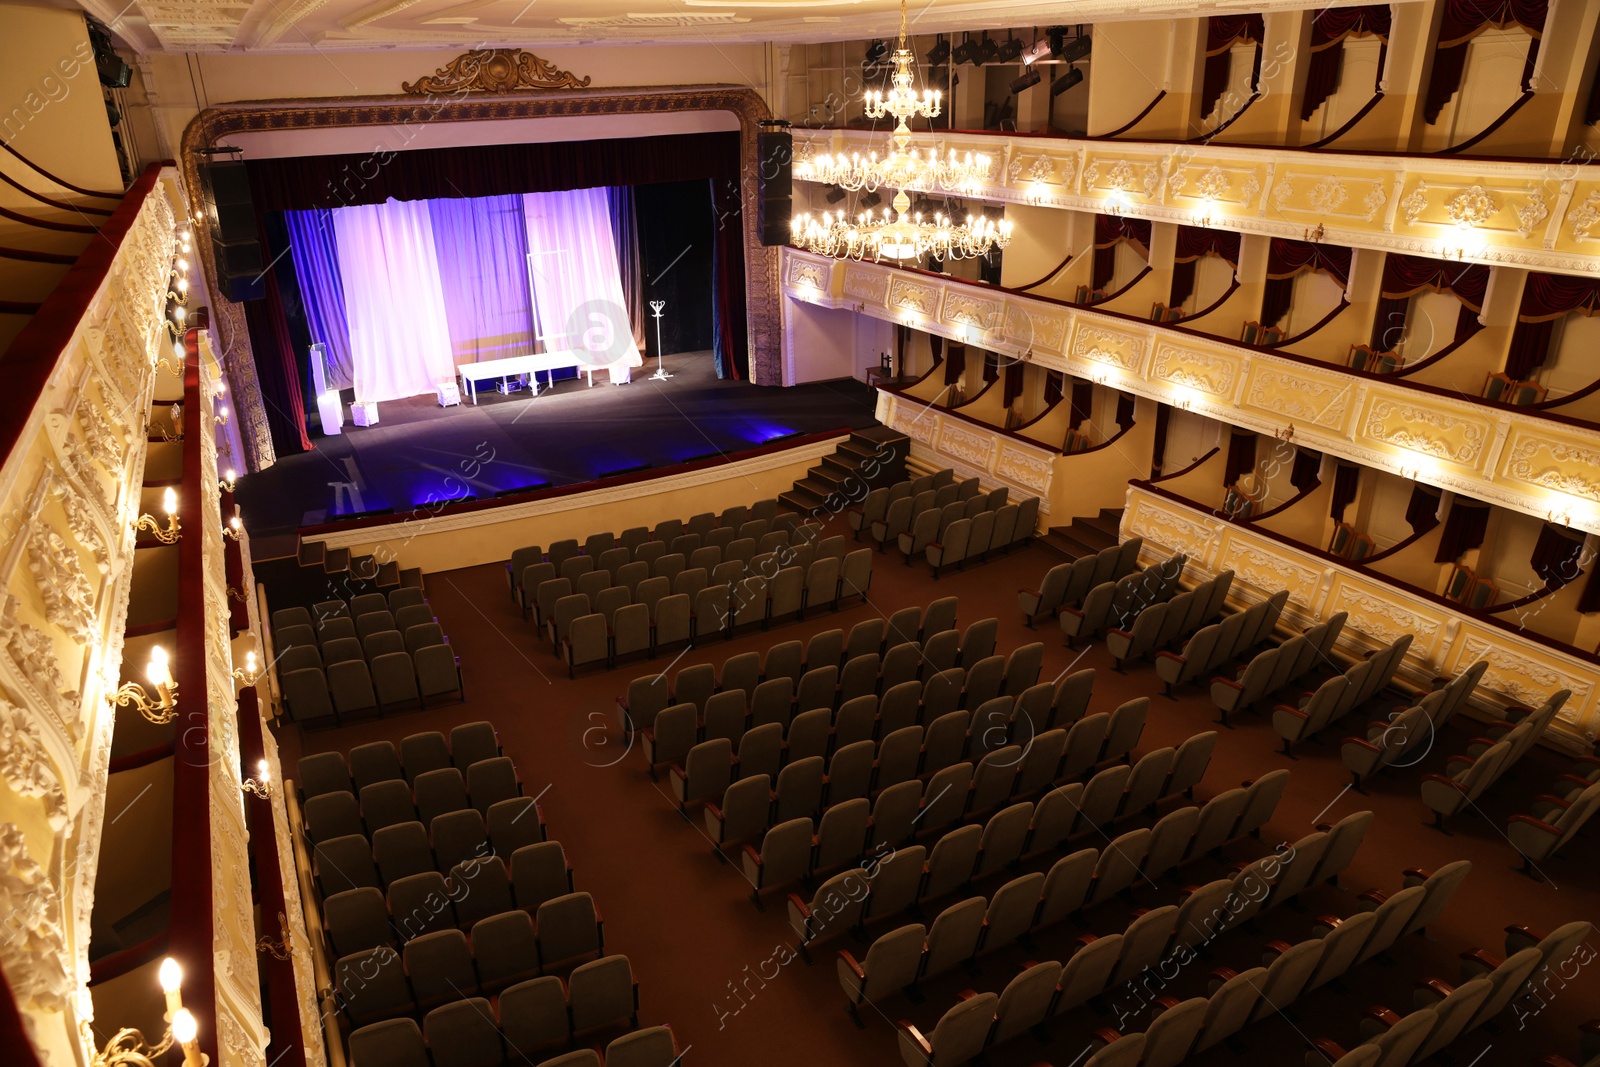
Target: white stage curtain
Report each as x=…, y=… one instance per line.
x=576, y=280
x=394, y=300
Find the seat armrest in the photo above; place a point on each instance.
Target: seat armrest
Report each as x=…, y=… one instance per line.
x=1106, y=1034
x=1417, y=873
x=1223, y=974
x=1538, y=824
x=749, y=851
x=1380, y=1014
x=1444, y=780
x=1374, y=897
x=1330, y=922
x=1482, y=957
x=1278, y=946
x=1331, y=1050
x=800, y=905
x=1437, y=987
x=1165, y=655
x=714, y=811
x=1515, y=713
x=1085, y=939
x=1229, y=682
x=850, y=962
x=1360, y=742
x=1120, y=633
x=911, y=1033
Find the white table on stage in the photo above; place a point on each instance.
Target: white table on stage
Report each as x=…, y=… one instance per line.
x=511, y=366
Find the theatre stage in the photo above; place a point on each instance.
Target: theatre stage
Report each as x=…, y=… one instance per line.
x=420, y=453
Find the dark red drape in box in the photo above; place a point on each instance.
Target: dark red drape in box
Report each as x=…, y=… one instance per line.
x=1194, y=242
x=302, y=182
x=1328, y=31
x=1546, y=298
x=991, y=367
x=1346, y=480
x=1158, y=444
x=1303, y=475
x=1082, y=402
x=1589, y=599
x=1464, y=20
x=1591, y=117
x=1409, y=275
x=1124, y=410
x=955, y=363
x=277, y=369
x=1556, y=555
x=1422, y=511
x=1053, y=382
x=1389, y=324
x=1108, y=230
x=1463, y=529
x=1221, y=33
x=1013, y=383
x=1285, y=260
x=1241, y=458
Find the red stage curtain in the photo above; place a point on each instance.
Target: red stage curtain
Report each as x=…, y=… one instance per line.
x=955, y=364
x=1012, y=384
x=302, y=182
x=731, y=340
x=1241, y=458
x=1389, y=324
x=1328, y=31
x=1464, y=20
x=1221, y=33
x=1463, y=529
x=277, y=369
x=1303, y=475
x=1556, y=555
x=1422, y=512
x=1408, y=275
x=1346, y=480
x=1082, y=402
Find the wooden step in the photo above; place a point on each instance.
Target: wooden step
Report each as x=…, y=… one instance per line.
x=388, y=576
x=1109, y=525
x=336, y=561
x=364, y=568
x=832, y=477
x=312, y=553
x=1085, y=533
x=1058, y=539
x=845, y=465
x=801, y=499
x=411, y=578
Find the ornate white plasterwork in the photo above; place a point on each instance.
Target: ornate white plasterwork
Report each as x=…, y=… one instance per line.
x=24, y=765
x=1415, y=203
x=1527, y=682
x=1382, y=618
x=1195, y=370
x=1299, y=397
x=1025, y=469
x=1108, y=346
x=1269, y=572
x=1413, y=433
x=1520, y=464
x=68, y=597
x=1585, y=216
x=1472, y=206
x=969, y=446
x=869, y=286
x=907, y=295
x=805, y=272
x=972, y=310
x=1171, y=531
x=33, y=952
x=1530, y=213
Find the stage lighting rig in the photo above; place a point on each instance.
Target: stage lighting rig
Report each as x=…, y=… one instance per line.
x=987, y=52
x=877, y=52
x=966, y=51
x=1009, y=52
x=939, y=52
x=1072, y=77
x=1028, y=80
x=1075, y=48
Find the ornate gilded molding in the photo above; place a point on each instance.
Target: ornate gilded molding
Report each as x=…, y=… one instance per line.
x=495, y=70
x=212, y=125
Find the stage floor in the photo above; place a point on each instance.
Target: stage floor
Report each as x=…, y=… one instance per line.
x=420, y=453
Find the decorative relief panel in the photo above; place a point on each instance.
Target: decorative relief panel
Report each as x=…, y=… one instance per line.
x=1525, y=680
x=1427, y=430
x=969, y=309
x=1192, y=369
x=68, y=597
x=1300, y=395
x=1384, y=619
x=1033, y=329
x=871, y=287
x=969, y=445
x=23, y=763
x=1024, y=468
x=1160, y=525
x=33, y=954
x=1547, y=461
x=808, y=272
x=1113, y=347
x=1270, y=571
x=919, y=298
x=921, y=427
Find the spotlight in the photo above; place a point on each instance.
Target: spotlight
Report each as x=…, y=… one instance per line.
x=1072, y=77
x=1040, y=49
x=834, y=194
x=987, y=51
x=871, y=200
x=877, y=52
x=1028, y=80
x=940, y=51
x=966, y=51
x=1009, y=52
x=1076, y=49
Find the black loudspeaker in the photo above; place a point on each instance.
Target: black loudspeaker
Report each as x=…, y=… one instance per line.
x=775, y=158
x=235, y=240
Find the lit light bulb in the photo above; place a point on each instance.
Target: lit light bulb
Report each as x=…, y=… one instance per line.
x=158, y=671
x=184, y=1028
x=170, y=976
x=178, y=313
x=183, y=264
x=250, y=666
x=263, y=772
x=231, y=474
x=169, y=501
x=183, y=284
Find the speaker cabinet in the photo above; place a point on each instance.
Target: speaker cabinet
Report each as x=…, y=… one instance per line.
x=775, y=158
x=235, y=240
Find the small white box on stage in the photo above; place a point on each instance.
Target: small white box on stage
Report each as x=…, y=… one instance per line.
x=364, y=413
x=449, y=393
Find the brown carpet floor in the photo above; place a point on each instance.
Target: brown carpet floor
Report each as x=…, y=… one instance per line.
x=708, y=962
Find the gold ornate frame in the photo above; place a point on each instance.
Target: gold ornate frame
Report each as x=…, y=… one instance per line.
x=215, y=124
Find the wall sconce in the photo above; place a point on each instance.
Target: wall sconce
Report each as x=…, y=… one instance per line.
x=1315, y=236
x=1202, y=214
x=233, y=530
x=221, y=418
x=229, y=479
x=1410, y=473
x=278, y=947
x=173, y=366
x=251, y=670
x=1116, y=203
x=175, y=431
x=168, y=534
x=1285, y=434
x=261, y=784
x=175, y=321
x=128, y=1047
x=1562, y=518
x=164, y=708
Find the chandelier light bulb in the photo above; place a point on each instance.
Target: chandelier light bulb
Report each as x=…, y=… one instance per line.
x=170, y=975
x=169, y=501
x=159, y=673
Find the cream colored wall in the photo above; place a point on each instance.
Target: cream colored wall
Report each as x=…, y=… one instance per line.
x=1041, y=238
x=1084, y=483
x=822, y=343
x=1133, y=62
x=51, y=111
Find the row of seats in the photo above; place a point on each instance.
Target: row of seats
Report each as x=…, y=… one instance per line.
x=1066, y=584
x=1219, y=643
x=585, y=636
x=434, y=793
x=381, y=761
x=535, y=1015
x=921, y=521
x=1407, y=735
x=1339, y=695
x=1557, y=814
x=1467, y=777
x=665, y=532
x=465, y=1042
x=1237, y=998
x=1275, y=668
x=344, y=628
x=877, y=501
x=649, y=694
x=364, y=604
x=352, y=687
x=855, y=692
x=1109, y=603
x=906, y=500
x=1161, y=623
x=765, y=555
x=992, y=777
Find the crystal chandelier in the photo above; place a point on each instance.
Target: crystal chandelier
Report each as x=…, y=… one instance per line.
x=903, y=167
x=903, y=236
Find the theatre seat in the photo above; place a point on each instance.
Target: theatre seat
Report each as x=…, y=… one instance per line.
x=387, y=804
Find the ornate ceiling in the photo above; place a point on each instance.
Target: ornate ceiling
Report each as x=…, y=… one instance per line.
x=315, y=25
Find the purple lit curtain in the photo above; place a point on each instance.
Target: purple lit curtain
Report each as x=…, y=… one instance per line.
x=315, y=252
x=277, y=368
x=1422, y=510
x=394, y=299
x=1304, y=474
x=1464, y=527
x=1287, y=258
x=482, y=252
x=1241, y=458
x=1346, y=481
x=1546, y=298
x=1556, y=555
x=1221, y=33
x=1328, y=32
x=577, y=285
x=1464, y=20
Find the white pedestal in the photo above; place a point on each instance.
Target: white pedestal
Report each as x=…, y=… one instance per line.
x=332, y=411
x=449, y=394
x=364, y=413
